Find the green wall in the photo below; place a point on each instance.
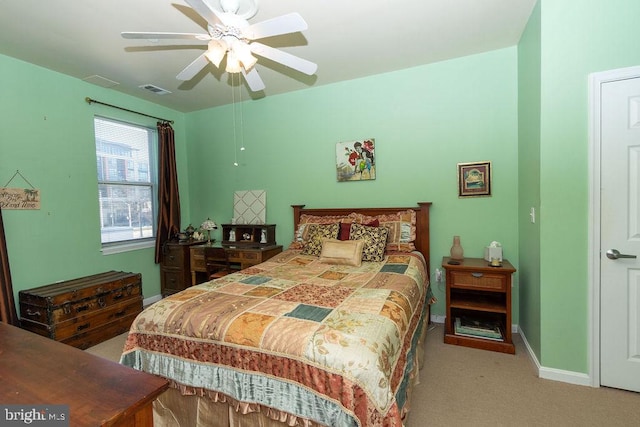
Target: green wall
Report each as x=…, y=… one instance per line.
x=529, y=179
x=577, y=39
x=425, y=120
x=47, y=135
x=564, y=42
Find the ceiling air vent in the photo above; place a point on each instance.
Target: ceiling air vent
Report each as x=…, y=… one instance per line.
x=155, y=89
x=100, y=81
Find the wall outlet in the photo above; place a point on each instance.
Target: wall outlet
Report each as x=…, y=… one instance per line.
x=438, y=275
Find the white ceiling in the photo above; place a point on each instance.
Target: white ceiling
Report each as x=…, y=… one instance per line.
x=348, y=39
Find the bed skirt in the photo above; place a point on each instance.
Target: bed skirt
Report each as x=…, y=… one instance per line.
x=173, y=409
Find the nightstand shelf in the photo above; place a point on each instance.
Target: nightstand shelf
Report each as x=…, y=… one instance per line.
x=479, y=294
x=478, y=302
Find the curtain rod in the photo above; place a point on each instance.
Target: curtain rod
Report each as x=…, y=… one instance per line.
x=89, y=101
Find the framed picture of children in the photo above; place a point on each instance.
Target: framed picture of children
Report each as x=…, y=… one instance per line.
x=356, y=160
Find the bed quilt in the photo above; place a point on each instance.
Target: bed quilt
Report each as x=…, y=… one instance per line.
x=329, y=343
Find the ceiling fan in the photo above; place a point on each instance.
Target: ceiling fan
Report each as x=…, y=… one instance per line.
x=231, y=35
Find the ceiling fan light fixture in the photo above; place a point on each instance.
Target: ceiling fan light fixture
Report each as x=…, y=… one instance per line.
x=233, y=63
x=245, y=57
x=215, y=53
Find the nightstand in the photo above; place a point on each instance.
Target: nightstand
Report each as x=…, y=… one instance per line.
x=479, y=304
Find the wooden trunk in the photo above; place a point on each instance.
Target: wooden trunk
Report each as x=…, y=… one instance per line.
x=85, y=311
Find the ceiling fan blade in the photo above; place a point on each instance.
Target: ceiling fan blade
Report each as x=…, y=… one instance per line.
x=284, y=24
x=253, y=79
x=188, y=36
x=284, y=58
x=205, y=11
x=194, y=68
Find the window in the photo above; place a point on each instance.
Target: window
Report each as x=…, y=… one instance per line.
x=126, y=168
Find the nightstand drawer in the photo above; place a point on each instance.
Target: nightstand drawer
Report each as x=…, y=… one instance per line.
x=479, y=279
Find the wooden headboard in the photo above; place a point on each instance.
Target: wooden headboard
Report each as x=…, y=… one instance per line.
x=422, y=220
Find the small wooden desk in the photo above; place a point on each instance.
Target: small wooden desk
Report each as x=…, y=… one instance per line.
x=35, y=370
x=243, y=256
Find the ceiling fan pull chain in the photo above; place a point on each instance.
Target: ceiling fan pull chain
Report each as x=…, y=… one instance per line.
x=241, y=115
x=233, y=103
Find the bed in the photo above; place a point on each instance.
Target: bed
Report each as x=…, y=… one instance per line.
x=315, y=336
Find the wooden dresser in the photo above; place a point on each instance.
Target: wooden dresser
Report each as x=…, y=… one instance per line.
x=38, y=371
x=85, y=311
x=175, y=274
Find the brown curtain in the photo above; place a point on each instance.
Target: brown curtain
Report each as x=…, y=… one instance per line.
x=168, y=195
x=7, y=303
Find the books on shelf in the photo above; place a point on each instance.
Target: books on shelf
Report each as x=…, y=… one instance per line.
x=478, y=329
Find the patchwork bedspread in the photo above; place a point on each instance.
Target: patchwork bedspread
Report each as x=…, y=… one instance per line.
x=330, y=343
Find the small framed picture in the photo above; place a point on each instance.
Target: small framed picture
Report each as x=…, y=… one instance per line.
x=474, y=179
x=356, y=160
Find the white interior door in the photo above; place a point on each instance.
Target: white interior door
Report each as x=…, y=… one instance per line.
x=620, y=231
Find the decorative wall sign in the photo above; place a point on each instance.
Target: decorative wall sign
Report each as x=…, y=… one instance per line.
x=19, y=198
x=474, y=179
x=250, y=207
x=355, y=160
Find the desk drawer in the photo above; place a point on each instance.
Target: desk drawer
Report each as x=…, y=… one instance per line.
x=173, y=281
x=244, y=256
x=251, y=256
x=479, y=280
x=173, y=256
x=197, y=261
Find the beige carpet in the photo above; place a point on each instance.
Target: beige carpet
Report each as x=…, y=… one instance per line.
x=468, y=387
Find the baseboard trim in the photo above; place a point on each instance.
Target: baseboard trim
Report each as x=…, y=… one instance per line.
x=436, y=318
x=569, y=377
x=553, y=374
x=148, y=301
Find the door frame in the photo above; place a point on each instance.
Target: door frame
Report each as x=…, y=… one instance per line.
x=596, y=80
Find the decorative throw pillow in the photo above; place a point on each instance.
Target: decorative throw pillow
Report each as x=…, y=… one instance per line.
x=302, y=231
x=375, y=241
x=345, y=228
x=342, y=252
x=317, y=232
x=402, y=229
